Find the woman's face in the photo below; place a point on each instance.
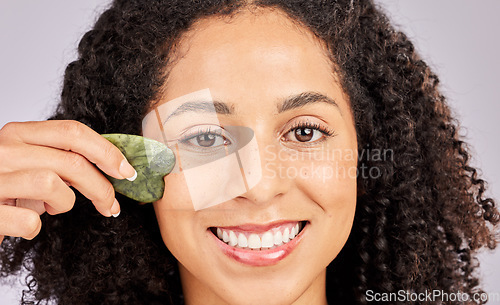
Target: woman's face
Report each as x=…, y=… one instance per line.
x=277, y=81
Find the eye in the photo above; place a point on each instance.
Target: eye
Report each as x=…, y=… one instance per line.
x=308, y=132
x=206, y=138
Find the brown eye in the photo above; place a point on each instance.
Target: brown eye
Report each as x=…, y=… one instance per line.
x=304, y=134
x=206, y=140
x=307, y=133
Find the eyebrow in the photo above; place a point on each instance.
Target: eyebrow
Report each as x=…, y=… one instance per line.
x=207, y=107
x=303, y=99
x=289, y=103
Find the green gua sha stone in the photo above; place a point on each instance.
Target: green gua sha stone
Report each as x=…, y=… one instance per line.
x=151, y=159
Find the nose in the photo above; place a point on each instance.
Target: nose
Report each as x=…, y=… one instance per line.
x=273, y=183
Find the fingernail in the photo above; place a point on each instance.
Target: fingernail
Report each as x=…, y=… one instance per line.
x=115, y=209
x=127, y=171
x=133, y=177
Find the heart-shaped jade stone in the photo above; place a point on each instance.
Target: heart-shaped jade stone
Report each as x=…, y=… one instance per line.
x=151, y=159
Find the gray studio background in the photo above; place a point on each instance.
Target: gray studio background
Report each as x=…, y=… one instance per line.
x=458, y=38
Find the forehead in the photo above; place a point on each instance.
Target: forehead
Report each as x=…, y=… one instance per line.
x=250, y=50
x=249, y=28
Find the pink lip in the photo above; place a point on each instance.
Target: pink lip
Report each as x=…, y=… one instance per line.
x=259, y=257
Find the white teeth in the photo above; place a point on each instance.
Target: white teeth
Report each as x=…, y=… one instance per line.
x=242, y=241
x=267, y=240
x=233, y=240
x=272, y=238
x=253, y=241
x=278, y=238
x=286, y=235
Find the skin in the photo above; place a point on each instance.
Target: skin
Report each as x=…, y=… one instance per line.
x=252, y=71
x=44, y=160
x=252, y=63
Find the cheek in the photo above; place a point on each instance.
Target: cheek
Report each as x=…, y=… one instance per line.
x=176, y=195
x=331, y=185
x=175, y=214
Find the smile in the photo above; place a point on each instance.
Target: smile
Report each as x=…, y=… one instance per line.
x=258, y=245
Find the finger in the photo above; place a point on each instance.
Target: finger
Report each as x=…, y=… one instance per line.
x=19, y=222
x=72, y=168
x=77, y=137
x=38, y=206
x=41, y=185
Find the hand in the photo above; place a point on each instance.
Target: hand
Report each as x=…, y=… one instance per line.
x=38, y=163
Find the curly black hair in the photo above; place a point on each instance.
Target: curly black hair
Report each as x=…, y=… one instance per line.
x=417, y=227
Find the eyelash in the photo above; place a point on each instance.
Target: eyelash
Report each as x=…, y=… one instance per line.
x=203, y=131
x=327, y=132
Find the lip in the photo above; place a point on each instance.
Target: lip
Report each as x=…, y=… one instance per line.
x=254, y=228
x=259, y=258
